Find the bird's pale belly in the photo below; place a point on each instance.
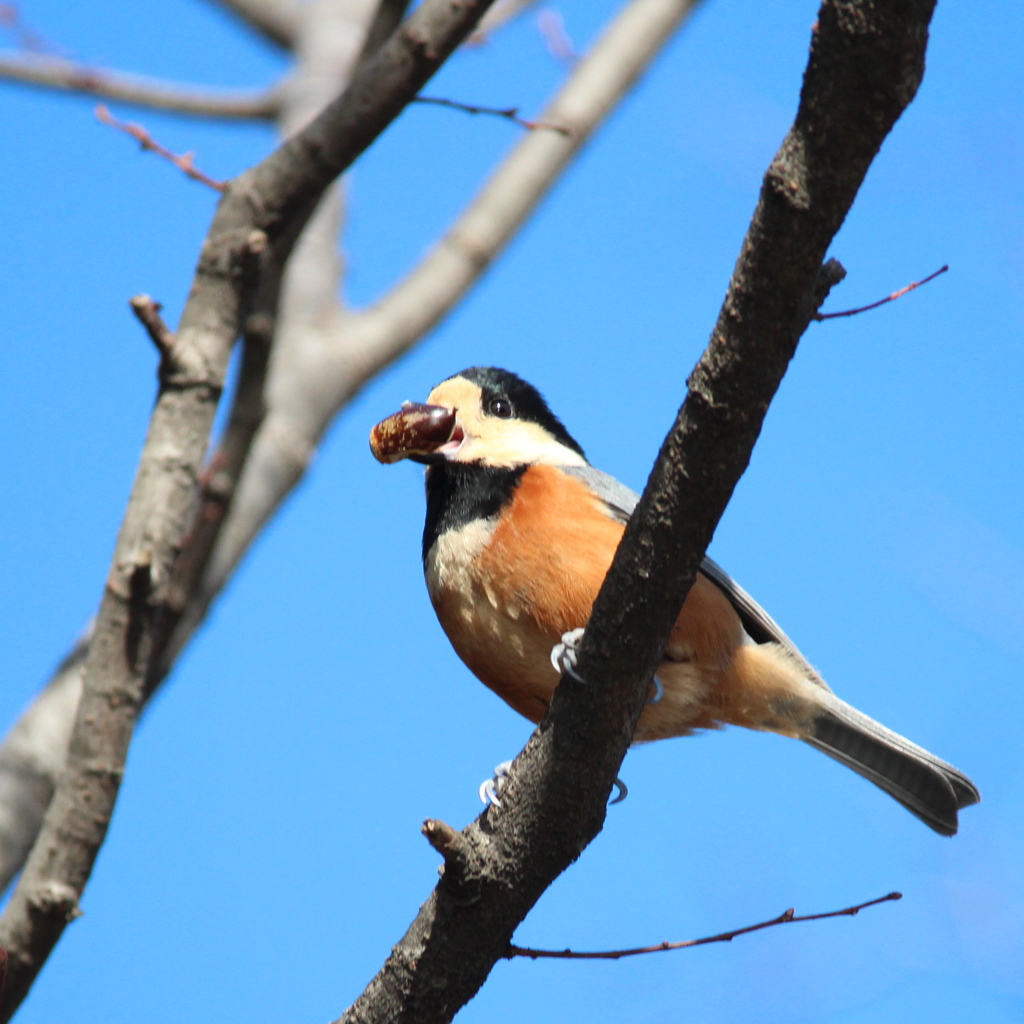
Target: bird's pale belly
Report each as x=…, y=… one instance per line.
x=501, y=643
x=509, y=650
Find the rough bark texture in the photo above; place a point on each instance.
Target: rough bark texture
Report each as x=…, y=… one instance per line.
x=256, y=224
x=866, y=63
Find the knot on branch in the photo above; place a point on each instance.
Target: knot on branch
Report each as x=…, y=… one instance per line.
x=786, y=177
x=458, y=869
x=830, y=274
x=140, y=608
x=55, y=897
x=249, y=257
x=181, y=366
x=420, y=42
x=259, y=329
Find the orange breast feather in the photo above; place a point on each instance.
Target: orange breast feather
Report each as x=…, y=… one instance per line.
x=536, y=576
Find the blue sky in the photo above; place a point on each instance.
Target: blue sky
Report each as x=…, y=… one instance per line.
x=265, y=852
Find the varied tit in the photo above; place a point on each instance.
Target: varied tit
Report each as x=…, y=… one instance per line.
x=520, y=532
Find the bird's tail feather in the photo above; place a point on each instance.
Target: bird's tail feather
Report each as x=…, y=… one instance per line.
x=928, y=787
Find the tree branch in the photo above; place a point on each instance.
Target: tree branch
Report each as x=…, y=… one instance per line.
x=865, y=65
x=386, y=19
x=66, y=75
x=276, y=20
x=255, y=226
x=33, y=756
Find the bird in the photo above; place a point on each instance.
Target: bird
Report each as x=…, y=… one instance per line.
x=520, y=530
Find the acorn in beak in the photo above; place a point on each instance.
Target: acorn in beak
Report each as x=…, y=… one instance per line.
x=423, y=433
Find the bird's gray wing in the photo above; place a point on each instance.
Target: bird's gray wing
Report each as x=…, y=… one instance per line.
x=760, y=626
x=618, y=498
x=620, y=502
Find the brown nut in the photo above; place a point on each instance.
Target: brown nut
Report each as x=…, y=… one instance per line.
x=415, y=429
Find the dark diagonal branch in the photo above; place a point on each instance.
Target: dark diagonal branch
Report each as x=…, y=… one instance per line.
x=865, y=65
x=386, y=19
x=786, y=917
x=68, y=76
x=255, y=226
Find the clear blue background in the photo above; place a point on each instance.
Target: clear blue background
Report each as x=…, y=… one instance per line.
x=265, y=853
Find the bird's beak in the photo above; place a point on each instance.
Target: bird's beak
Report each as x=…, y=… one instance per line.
x=422, y=433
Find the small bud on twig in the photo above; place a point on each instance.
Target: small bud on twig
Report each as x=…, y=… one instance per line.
x=184, y=161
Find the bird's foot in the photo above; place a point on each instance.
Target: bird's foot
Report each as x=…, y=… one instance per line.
x=565, y=653
x=490, y=789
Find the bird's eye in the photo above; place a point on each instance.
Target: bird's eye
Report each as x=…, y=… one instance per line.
x=500, y=407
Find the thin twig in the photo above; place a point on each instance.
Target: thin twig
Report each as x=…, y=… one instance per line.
x=24, y=35
x=70, y=76
x=508, y=113
x=786, y=917
x=183, y=161
x=551, y=26
x=147, y=311
x=498, y=16
x=882, y=302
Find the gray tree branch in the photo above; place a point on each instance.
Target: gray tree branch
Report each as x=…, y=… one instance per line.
x=254, y=229
x=68, y=76
x=865, y=65
x=275, y=20
x=332, y=39
x=33, y=756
